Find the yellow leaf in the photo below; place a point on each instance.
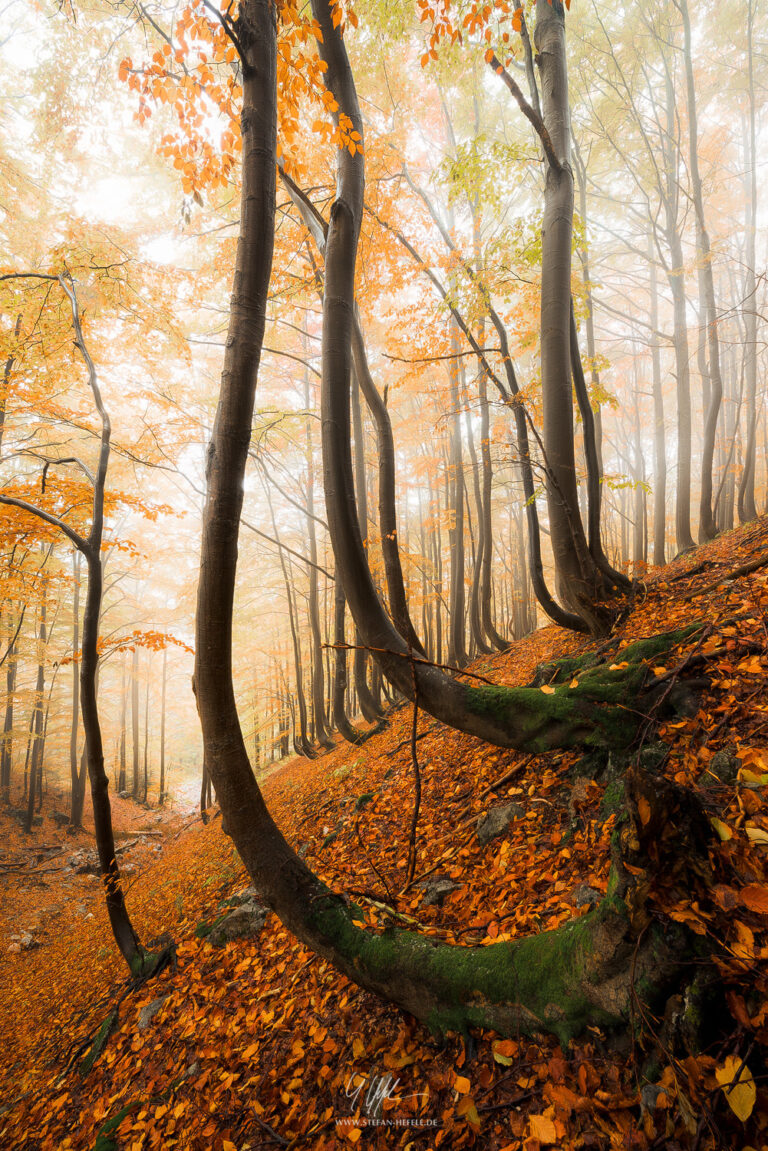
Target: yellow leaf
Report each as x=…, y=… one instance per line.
x=467, y=1110
x=740, y=1094
x=657, y=671
x=747, y=776
x=722, y=829
x=358, y=1047
x=227, y=1146
x=548, y=689
x=543, y=1129
x=756, y=834
x=353, y=1134
x=574, y=683
x=462, y=1085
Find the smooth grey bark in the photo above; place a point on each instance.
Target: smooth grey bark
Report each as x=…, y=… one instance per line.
x=322, y=734
x=457, y=649
x=6, y=751
x=676, y=278
x=659, y=440
x=78, y=765
x=361, y=658
x=121, y=783
x=708, y=308
x=579, y=581
x=746, y=502
x=163, y=695
x=36, y=727
x=136, y=778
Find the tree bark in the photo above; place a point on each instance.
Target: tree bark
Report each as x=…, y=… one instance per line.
x=746, y=503
x=579, y=581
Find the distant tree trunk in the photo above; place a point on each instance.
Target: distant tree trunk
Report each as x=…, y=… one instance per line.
x=304, y=746
x=475, y=621
x=361, y=658
x=123, y=710
x=676, y=277
x=457, y=651
x=486, y=561
x=6, y=754
x=136, y=784
x=708, y=309
x=78, y=764
x=162, y=727
x=145, y=793
x=747, y=508
x=37, y=726
x=322, y=733
x=659, y=444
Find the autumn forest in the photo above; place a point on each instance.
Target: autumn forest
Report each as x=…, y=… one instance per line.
x=384, y=613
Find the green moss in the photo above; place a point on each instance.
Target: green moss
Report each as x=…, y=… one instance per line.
x=363, y=799
x=99, y=1041
x=104, y=1141
x=614, y=798
x=533, y=985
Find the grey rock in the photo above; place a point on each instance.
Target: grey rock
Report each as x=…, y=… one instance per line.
x=649, y=1097
x=244, y=922
x=497, y=820
x=435, y=890
x=585, y=896
x=149, y=1011
x=723, y=766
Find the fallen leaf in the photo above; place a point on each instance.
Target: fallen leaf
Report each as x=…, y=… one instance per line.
x=740, y=1094
x=543, y=1129
x=547, y=689
x=462, y=1085
x=755, y=897
x=722, y=829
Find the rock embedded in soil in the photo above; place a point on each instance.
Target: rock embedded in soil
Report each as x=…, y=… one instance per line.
x=496, y=821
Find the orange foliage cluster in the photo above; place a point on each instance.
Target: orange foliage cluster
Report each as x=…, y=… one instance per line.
x=262, y=1037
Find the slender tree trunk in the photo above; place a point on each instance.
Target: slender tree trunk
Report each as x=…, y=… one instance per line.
x=121, y=783
x=659, y=444
x=708, y=309
x=361, y=658
x=322, y=733
x=676, y=277
x=162, y=726
x=37, y=726
x=747, y=508
x=145, y=792
x=457, y=651
x=6, y=755
x=136, y=783
x=579, y=582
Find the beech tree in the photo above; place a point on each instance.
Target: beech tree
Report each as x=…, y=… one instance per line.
x=584, y=972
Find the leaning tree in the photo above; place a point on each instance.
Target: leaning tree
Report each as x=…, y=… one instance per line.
x=90, y=547
x=591, y=970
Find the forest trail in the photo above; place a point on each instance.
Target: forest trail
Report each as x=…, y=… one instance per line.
x=259, y=1043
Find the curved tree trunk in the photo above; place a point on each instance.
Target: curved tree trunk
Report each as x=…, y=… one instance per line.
x=390, y=547
x=579, y=581
x=594, y=476
x=591, y=970
x=747, y=509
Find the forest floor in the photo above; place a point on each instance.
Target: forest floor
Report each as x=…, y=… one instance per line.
x=260, y=1044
